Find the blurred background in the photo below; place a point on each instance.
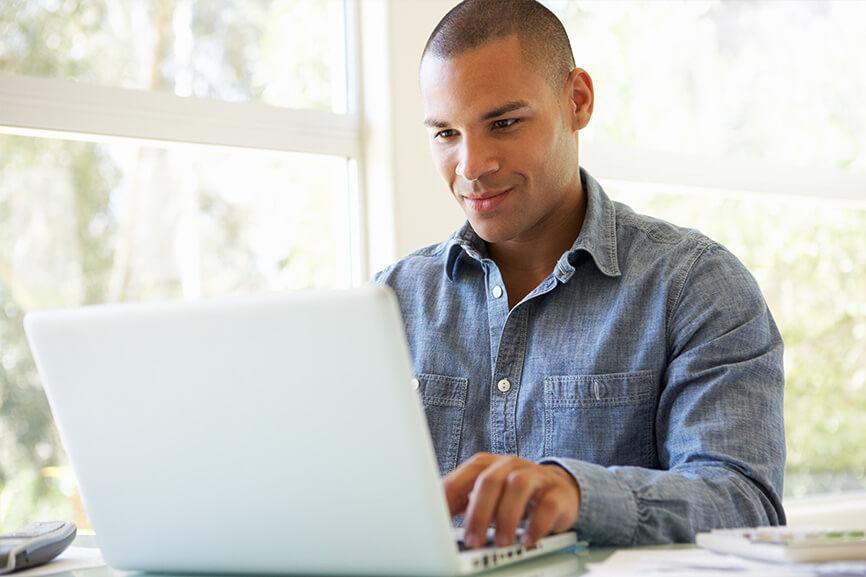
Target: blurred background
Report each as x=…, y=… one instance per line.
x=163, y=149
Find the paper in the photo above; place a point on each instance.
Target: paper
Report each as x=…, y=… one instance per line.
x=705, y=563
x=70, y=560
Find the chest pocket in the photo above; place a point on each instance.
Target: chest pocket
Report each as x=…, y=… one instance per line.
x=444, y=400
x=604, y=419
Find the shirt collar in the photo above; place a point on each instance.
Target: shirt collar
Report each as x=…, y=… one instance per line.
x=597, y=237
x=464, y=242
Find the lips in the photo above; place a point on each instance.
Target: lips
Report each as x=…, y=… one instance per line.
x=485, y=195
x=487, y=201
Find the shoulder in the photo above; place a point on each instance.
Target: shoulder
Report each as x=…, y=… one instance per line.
x=654, y=233
x=644, y=241
x=422, y=263
x=694, y=264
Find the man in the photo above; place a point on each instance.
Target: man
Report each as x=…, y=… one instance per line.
x=580, y=365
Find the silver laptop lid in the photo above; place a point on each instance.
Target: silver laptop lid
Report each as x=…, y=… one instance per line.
x=271, y=434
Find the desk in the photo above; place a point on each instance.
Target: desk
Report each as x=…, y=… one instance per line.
x=564, y=564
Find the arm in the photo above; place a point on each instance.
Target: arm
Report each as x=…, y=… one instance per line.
x=719, y=425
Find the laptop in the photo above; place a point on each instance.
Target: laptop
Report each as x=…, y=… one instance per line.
x=269, y=434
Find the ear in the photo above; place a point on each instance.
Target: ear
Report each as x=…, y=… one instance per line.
x=581, y=97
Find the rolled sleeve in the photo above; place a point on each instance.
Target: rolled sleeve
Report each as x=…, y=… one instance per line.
x=608, y=510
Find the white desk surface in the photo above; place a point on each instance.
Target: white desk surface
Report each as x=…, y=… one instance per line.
x=578, y=562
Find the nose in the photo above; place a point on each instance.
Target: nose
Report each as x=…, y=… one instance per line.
x=477, y=160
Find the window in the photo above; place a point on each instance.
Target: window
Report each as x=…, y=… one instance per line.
x=744, y=120
x=284, y=53
x=765, y=81
x=154, y=150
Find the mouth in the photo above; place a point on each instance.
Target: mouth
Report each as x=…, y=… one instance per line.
x=486, y=202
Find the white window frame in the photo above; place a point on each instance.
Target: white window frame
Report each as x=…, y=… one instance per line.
x=623, y=163
x=64, y=106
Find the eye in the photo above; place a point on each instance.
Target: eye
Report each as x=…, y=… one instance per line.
x=505, y=123
x=447, y=133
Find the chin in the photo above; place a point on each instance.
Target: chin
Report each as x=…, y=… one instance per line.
x=489, y=230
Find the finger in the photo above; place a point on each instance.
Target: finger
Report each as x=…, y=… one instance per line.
x=459, y=482
x=545, y=516
x=484, y=499
x=520, y=486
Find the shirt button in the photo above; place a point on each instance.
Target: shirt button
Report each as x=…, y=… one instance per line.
x=504, y=385
x=415, y=384
x=497, y=291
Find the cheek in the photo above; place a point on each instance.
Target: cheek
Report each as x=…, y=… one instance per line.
x=445, y=163
x=557, y=163
x=534, y=163
x=535, y=155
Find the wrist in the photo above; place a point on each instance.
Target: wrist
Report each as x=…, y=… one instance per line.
x=563, y=473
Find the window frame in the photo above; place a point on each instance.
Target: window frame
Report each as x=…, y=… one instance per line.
x=624, y=163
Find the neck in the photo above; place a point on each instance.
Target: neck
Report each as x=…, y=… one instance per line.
x=535, y=253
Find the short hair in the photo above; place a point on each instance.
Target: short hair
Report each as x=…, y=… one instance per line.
x=473, y=23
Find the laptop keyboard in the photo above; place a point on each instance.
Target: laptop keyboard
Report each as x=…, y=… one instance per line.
x=461, y=544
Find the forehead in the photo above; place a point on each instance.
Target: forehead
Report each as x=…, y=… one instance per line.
x=460, y=88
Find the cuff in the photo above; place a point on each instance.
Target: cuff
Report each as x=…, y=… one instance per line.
x=608, y=508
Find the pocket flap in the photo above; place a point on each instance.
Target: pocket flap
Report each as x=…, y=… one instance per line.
x=442, y=390
x=604, y=389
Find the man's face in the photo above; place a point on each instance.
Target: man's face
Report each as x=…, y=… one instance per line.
x=502, y=138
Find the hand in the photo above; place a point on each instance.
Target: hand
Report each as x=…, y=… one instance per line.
x=505, y=489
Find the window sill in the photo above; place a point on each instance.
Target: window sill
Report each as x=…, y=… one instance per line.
x=844, y=511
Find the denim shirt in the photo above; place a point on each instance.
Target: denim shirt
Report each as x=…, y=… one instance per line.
x=647, y=364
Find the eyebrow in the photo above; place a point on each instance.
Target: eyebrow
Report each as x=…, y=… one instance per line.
x=498, y=111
